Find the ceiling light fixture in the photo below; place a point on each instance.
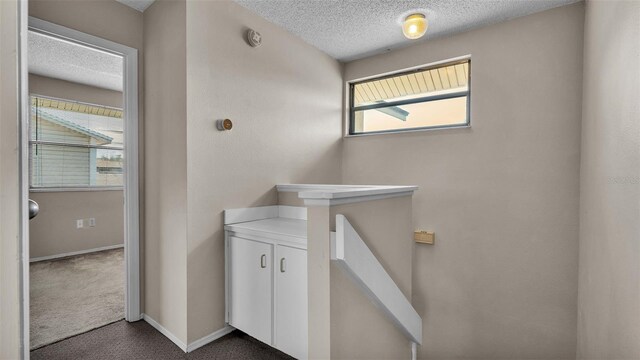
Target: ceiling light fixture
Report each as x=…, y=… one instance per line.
x=414, y=26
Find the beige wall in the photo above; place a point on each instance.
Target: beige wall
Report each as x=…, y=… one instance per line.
x=9, y=188
x=166, y=166
x=502, y=196
x=107, y=19
x=46, y=86
x=609, y=291
x=343, y=322
x=386, y=227
x=285, y=100
x=54, y=231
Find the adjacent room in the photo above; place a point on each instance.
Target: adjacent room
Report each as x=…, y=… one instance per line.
x=76, y=235
x=306, y=179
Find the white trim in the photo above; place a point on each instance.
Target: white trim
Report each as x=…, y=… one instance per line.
x=133, y=310
x=210, y=338
x=233, y=216
x=78, y=37
x=194, y=345
x=328, y=195
x=226, y=279
x=351, y=200
x=416, y=130
x=326, y=187
x=353, y=256
x=414, y=351
x=156, y=325
x=23, y=151
x=74, y=253
x=76, y=189
x=359, y=192
x=131, y=125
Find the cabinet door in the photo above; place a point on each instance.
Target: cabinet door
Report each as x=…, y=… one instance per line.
x=291, y=301
x=251, y=264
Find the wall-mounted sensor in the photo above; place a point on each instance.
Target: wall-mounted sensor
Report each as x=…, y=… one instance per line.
x=225, y=124
x=254, y=38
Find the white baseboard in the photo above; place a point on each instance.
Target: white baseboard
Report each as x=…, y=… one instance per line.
x=81, y=252
x=194, y=345
x=209, y=338
x=165, y=332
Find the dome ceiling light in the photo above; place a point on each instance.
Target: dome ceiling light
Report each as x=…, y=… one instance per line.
x=414, y=26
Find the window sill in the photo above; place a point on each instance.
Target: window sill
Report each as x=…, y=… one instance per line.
x=396, y=132
x=76, y=189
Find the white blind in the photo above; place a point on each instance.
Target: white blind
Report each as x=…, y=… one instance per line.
x=74, y=147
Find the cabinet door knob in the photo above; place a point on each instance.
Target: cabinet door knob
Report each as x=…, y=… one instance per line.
x=263, y=261
x=283, y=265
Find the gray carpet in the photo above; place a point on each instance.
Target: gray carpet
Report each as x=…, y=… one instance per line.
x=123, y=340
x=73, y=295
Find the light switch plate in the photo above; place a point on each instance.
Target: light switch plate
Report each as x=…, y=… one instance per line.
x=92, y=222
x=79, y=224
x=424, y=237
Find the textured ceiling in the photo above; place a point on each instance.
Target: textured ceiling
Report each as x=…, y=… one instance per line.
x=353, y=29
x=140, y=5
x=60, y=59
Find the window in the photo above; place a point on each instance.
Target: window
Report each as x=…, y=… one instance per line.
x=426, y=98
x=74, y=144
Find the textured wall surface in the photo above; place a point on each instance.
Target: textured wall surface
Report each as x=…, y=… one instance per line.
x=285, y=100
x=609, y=292
x=501, y=196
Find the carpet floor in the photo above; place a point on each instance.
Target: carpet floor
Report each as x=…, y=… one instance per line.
x=123, y=340
x=73, y=295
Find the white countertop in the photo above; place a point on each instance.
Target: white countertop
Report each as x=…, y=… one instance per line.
x=322, y=194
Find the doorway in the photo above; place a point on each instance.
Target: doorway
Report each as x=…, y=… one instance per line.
x=77, y=154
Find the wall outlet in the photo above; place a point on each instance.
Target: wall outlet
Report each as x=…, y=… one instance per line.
x=92, y=222
x=79, y=224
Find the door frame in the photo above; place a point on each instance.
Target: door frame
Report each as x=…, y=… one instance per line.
x=131, y=147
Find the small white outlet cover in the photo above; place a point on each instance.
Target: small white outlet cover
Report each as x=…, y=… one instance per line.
x=79, y=223
x=92, y=222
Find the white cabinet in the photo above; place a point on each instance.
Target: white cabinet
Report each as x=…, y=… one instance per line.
x=291, y=301
x=267, y=282
x=251, y=277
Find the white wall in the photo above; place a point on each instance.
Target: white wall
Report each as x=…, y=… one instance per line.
x=284, y=98
x=502, y=196
x=609, y=301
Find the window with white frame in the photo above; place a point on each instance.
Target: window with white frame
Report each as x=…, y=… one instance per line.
x=425, y=98
x=73, y=144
